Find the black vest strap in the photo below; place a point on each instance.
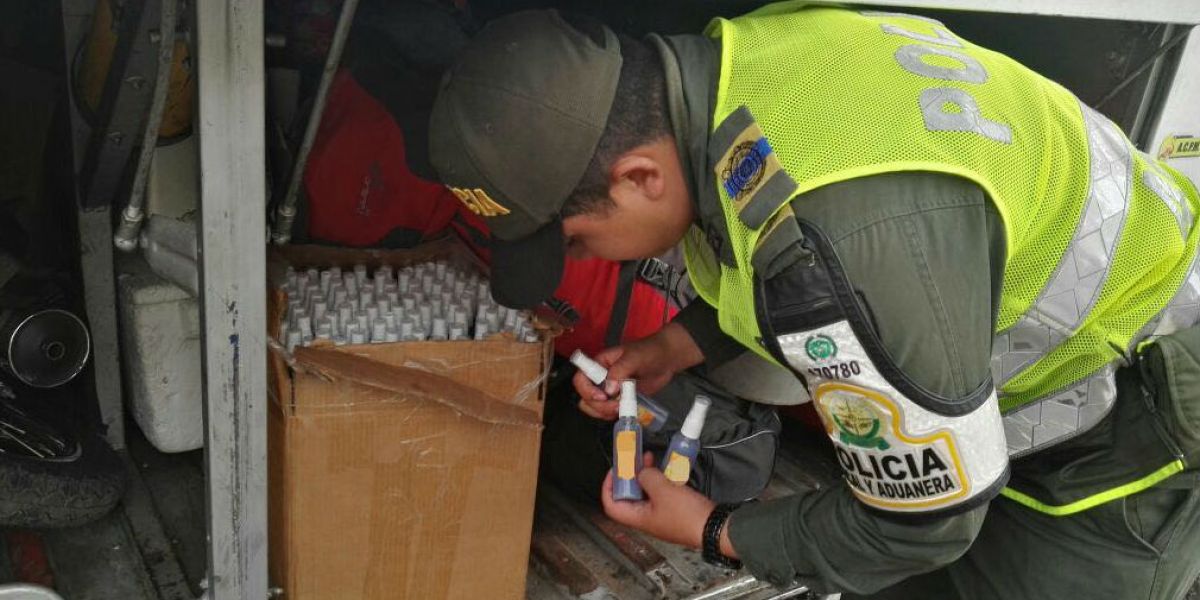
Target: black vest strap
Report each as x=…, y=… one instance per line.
x=620, y=310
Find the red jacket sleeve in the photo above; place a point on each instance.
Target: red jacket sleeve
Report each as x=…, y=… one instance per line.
x=590, y=287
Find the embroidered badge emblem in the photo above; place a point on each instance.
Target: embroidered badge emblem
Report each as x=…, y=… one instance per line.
x=885, y=465
x=749, y=172
x=479, y=202
x=857, y=423
x=820, y=348
x=745, y=168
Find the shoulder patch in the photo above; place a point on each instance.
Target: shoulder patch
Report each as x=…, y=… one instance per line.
x=748, y=169
x=896, y=455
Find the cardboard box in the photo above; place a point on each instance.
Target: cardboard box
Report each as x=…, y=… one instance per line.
x=402, y=470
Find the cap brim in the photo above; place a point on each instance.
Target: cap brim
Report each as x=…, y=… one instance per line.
x=526, y=272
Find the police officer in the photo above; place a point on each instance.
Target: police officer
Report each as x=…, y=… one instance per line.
x=963, y=263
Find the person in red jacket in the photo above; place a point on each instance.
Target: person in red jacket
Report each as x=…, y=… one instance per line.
x=362, y=193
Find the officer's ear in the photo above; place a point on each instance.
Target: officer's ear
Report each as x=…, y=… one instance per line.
x=641, y=173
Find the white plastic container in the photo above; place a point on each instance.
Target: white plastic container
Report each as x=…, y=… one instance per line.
x=160, y=336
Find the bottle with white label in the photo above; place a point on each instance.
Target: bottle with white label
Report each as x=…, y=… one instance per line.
x=681, y=454
x=627, y=446
x=651, y=414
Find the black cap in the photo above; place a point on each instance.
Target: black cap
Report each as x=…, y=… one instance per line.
x=516, y=122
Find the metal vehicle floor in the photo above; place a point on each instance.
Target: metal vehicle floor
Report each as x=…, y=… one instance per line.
x=579, y=553
x=153, y=546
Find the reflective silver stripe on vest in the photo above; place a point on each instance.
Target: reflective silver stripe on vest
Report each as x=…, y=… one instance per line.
x=1170, y=195
x=1062, y=415
x=1181, y=312
x=1069, y=295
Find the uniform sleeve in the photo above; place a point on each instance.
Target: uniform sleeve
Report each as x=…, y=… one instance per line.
x=925, y=253
x=700, y=320
x=831, y=542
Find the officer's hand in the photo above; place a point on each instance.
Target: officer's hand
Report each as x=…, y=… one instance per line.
x=652, y=361
x=670, y=512
x=597, y=401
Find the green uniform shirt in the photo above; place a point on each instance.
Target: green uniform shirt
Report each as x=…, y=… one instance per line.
x=927, y=253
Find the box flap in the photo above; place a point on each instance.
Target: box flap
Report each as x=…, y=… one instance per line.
x=341, y=366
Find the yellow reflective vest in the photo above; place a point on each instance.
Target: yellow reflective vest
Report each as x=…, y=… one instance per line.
x=1101, y=243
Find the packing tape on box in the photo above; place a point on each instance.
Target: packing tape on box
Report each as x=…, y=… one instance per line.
x=334, y=365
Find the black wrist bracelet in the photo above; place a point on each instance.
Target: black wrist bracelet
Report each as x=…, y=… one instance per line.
x=710, y=548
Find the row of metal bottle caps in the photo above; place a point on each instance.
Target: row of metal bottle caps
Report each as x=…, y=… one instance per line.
x=431, y=301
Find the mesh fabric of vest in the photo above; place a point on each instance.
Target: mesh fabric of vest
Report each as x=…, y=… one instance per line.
x=835, y=103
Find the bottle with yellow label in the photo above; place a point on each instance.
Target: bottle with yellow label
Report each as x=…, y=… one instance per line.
x=681, y=454
x=627, y=446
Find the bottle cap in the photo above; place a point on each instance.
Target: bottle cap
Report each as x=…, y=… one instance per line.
x=294, y=338
x=694, y=423
x=304, y=324
x=439, y=329
x=628, y=406
x=591, y=369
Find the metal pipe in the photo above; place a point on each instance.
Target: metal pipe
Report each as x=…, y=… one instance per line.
x=286, y=212
x=132, y=215
x=1152, y=88
x=1146, y=64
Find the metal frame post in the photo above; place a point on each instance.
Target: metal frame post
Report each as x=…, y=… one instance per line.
x=128, y=92
x=231, y=125
x=96, y=253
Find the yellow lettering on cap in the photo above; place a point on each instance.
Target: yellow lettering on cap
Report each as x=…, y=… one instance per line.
x=479, y=202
